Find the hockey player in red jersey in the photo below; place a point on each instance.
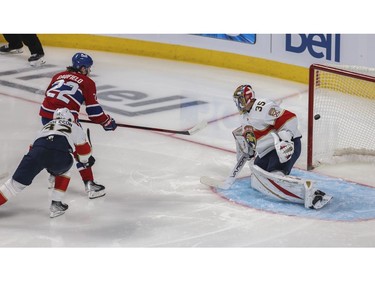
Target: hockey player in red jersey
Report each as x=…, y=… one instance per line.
x=269, y=134
x=52, y=150
x=71, y=89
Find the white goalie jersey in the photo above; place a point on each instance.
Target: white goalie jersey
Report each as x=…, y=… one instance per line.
x=264, y=118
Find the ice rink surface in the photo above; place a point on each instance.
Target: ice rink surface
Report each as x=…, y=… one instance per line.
x=154, y=197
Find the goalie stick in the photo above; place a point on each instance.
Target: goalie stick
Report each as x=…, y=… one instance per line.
x=191, y=131
x=226, y=184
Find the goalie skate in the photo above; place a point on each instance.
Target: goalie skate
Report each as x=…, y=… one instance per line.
x=320, y=199
x=57, y=209
x=315, y=199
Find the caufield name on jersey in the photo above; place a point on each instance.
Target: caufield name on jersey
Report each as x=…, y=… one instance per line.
x=70, y=77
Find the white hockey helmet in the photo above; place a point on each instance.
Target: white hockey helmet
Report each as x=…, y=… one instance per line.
x=242, y=97
x=63, y=113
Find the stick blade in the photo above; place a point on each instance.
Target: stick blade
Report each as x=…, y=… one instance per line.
x=210, y=181
x=198, y=127
x=221, y=184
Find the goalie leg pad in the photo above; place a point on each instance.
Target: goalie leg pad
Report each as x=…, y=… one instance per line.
x=288, y=188
x=276, y=186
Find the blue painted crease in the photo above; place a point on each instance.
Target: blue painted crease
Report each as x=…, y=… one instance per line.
x=351, y=201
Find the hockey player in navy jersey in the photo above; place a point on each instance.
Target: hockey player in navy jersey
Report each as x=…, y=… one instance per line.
x=269, y=135
x=71, y=89
x=52, y=150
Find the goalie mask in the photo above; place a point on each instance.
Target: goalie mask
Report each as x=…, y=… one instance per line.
x=242, y=97
x=63, y=113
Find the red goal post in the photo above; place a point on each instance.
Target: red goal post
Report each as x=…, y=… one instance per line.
x=342, y=100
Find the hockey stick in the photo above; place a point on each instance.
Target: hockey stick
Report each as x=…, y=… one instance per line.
x=89, y=136
x=226, y=184
x=191, y=131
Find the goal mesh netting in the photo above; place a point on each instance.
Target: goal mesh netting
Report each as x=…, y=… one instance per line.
x=344, y=98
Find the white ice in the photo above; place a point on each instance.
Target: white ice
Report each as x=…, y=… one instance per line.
x=154, y=198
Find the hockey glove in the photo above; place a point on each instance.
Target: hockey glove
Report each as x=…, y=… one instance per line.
x=110, y=124
x=243, y=147
x=285, y=150
x=285, y=135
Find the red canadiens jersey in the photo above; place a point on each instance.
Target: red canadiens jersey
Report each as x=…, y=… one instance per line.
x=71, y=90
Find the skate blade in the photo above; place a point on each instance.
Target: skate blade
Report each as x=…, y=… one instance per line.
x=12, y=52
x=94, y=195
x=56, y=214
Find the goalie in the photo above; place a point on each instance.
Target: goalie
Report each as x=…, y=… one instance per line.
x=270, y=138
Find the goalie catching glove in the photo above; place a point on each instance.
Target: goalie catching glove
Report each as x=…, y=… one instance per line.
x=245, y=144
x=284, y=145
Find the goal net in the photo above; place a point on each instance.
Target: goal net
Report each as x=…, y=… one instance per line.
x=341, y=117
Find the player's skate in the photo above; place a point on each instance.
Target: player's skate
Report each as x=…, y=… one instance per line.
x=314, y=198
x=94, y=190
x=57, y=209
x=6, y=50
x=36, y=60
